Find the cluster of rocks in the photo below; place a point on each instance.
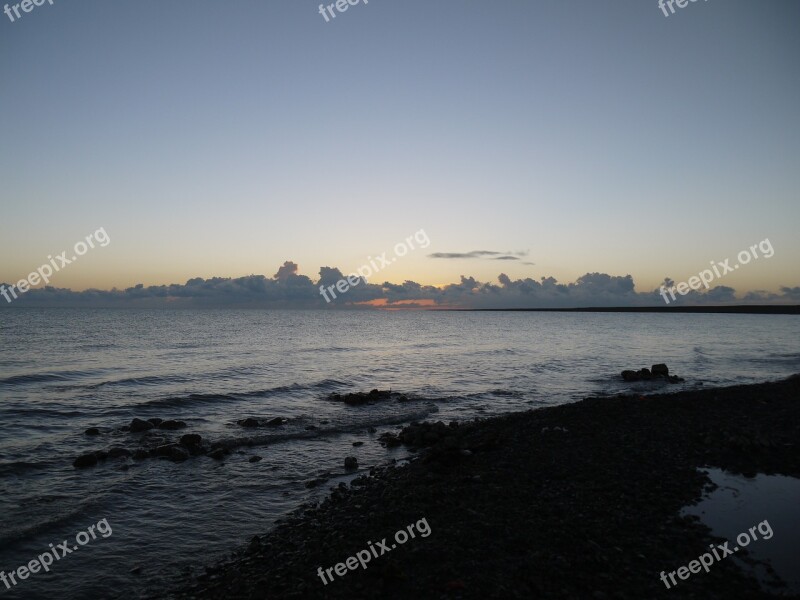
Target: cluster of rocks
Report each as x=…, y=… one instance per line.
x=153, y=444
x=654, y=373
x=421, y=435
x=358, y=398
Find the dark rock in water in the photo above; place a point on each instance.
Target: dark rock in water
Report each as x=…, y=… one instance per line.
x=137, y=426
x=351, y=463
x=92, y=431
x=311, y=427
x=101, y=454
x=117, y=452
x=125, y=428
x=85, y=460
x=249, y=422
x=357, y=398
x=275, y=422
x=389, y=439
x=254, y=459
x=660, y=369
x=191, y=439
x=140, y=454
x=172, y=425
x=660, y=372
x=217, y=453
x=372, y=430
x=178, y=455
x=155, y=421
x=171, y=451
x=356, y=444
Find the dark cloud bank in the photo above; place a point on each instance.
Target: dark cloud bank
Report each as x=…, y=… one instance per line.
x=289, y=289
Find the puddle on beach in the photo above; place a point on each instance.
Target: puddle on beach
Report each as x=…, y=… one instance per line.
x=740, y=503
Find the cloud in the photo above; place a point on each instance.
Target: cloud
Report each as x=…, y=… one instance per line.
x=288, y=288
x=480, y=254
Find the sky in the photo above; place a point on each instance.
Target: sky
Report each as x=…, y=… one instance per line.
x=535, y=142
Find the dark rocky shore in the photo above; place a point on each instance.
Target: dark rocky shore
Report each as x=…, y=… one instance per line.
x=573, y=501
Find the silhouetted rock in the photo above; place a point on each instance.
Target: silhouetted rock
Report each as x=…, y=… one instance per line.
x=85, y=460
x=92, y=431
x=155, y=421
x=137, y=426
x=171, y=425
x=249, y=422
x=191, y=439
x=275, y=422
x=217, y=453
x=660, y=372
x=660, y=369
x=118, y=452
x=351, y=463
x=140, y=454
x=357, y=398
x=254, y=459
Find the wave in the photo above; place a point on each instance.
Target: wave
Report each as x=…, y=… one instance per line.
x=44, y=377
x=179, y=401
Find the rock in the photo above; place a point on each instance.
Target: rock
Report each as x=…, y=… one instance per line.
x=118, y=452
x=217, y=453
x=92, y=431
x=255, y=545
x=155, y=421
x=311, y=427
x=137, y=426
x=140, y=454
x=85, y=460
x=351, y=463
x=372, y=430
x=660, y=370
x=171, y=425
x=357, y=398
x=249, y=422
x=275, y=422
x=178, y=454
x=629, y=376
x=389, y=439
x=254, y=459
x=191, y=439
x=356, y=444
x=101, y=454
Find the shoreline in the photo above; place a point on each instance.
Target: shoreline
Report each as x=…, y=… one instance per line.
x=576, y=500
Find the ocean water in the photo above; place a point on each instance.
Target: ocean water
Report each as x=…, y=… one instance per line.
x=64, y=370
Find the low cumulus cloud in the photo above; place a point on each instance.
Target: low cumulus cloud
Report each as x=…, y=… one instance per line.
x=288, y=288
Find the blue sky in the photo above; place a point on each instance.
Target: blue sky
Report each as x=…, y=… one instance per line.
x=224, y=138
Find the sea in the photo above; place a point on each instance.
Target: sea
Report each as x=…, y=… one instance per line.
x=63, y=371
